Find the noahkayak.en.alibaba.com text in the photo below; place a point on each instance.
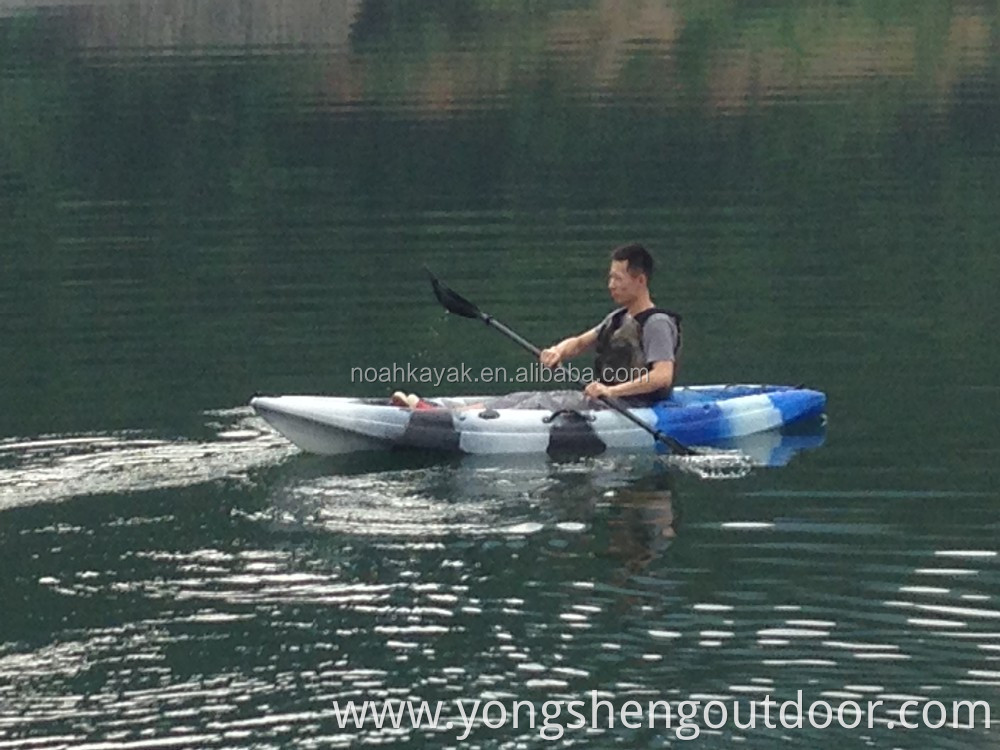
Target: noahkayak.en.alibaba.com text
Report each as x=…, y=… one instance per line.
x=685, y=719
x=533, y=373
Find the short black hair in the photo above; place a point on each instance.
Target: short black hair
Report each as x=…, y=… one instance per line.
x=638, y=257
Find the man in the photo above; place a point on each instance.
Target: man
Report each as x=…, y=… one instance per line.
x=637, y=344
x=636, y=349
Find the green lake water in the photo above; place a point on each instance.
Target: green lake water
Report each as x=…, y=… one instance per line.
x=200, y=201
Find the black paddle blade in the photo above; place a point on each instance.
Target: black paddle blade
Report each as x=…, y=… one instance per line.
x=452, y=301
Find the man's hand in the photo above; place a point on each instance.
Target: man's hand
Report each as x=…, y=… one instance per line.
x=550, y=357
x=597, y=389
x=568, y=348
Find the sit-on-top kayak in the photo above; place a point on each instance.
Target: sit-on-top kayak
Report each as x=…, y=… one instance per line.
x=695, y=415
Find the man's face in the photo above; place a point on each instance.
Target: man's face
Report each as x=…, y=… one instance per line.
x=623, y=286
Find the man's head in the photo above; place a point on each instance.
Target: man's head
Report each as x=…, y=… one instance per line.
x=628, y=277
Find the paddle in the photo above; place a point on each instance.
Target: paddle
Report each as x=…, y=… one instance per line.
x=456, y=303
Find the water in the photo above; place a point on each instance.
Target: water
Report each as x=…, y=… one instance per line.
x=200, y=201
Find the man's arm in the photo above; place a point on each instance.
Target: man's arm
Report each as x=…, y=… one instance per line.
x=568, y=348
x=660, y=376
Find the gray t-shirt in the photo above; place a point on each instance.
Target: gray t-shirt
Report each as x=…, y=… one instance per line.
x=659, y=336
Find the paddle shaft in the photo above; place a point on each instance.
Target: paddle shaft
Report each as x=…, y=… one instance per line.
x=612, y=402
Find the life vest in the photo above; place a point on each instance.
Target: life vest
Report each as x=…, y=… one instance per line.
x=620, y=352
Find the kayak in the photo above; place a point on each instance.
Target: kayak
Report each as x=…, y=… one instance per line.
x=694, y=415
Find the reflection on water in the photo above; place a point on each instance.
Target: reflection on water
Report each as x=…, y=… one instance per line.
x=644, y=520
x=441, y=578
x=778, y=447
